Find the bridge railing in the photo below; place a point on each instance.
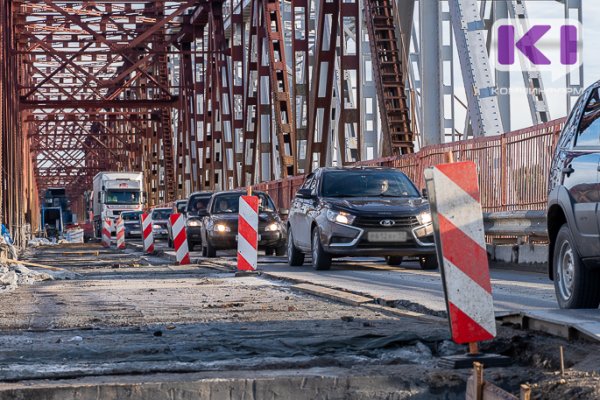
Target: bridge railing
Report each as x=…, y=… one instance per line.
x=513, y=167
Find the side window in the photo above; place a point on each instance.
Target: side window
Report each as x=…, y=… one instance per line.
x=309, y=181
x=588, y=133
x=313, y=186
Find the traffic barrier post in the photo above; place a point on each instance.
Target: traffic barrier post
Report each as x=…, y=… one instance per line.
x=147, y=234
x=106, y=224
x=460, y=241
x=121, y=234
x=182, y=254
x=247, y=256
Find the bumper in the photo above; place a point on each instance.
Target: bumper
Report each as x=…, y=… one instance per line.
x=160, y=233
x=228, y=240
x=345, y=240
x=193, y=234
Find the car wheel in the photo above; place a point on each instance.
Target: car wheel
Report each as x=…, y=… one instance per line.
x=320, y=259
x=428, y=262
x=269, y=251
x=295, y=256
x=204, y=251
x=575, y=285
x=170, y=243
x=280, y=250
x=393, y=260
x=210, y=250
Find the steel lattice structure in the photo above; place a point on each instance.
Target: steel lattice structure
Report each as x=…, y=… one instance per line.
x=217, y=94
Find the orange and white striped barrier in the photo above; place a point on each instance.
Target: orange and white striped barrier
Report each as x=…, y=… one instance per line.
x=106, y=225
x=182, y=253
x=247, y=257
x=121, y=234
x=459, y=237
x=147, y=234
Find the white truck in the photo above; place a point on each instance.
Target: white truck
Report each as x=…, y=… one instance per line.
x=113, y=193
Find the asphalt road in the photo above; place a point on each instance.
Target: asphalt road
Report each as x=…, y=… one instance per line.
x=408, y=284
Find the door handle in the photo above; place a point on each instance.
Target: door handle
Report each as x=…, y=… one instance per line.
x=568, y=170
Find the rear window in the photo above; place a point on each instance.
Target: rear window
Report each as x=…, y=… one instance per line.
x=364, y=183
x=161, y=214
x=131, y=216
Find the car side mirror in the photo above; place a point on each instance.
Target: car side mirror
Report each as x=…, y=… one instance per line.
x=425, y=194
x=284, y=211
x=305, y=194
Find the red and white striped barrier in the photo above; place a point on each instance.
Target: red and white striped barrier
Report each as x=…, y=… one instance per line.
x=121, y=234
x=247, y=258
x=458, y=222
x=147, y=234
x=106, y=225
x=182, y=253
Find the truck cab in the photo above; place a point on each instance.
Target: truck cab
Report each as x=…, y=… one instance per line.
x=114, y=193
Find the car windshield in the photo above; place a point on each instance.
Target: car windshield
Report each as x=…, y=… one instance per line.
x=229, y=203
x=161, y=214
x=198, y=205
x=122, y=197
x=365, y=183
x=128, y=216
x=180, y=206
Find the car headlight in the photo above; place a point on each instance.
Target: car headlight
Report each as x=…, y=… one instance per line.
x=274, y=227
x=193, y=222
x=424, y=218
x=340, y=217
x=221, y=228
x=155, y=226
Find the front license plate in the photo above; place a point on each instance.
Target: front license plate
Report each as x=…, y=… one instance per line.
x=259, y=237
x=387, y=236
x=135, y=232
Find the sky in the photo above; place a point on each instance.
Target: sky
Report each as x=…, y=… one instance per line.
x=550, y=9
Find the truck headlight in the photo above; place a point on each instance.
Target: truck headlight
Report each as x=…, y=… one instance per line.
x=274, y=227
x=155, y=226
x=193, y=222
x=340, y=217
x=424, y=218
x=221, y=228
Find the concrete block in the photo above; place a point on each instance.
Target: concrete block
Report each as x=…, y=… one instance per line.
x=505, y=253
x=533, y=254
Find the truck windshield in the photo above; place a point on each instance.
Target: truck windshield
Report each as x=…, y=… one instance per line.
x=122, y=197
x=365, y=183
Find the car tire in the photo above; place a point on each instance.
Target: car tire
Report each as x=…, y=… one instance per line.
x=203, y=251
x=428, y=262
x=575, y=285
x=295, y=256
x=269, y=251
x=170, y=243
x=280, y=250
x=393, y=260
x=321, y=260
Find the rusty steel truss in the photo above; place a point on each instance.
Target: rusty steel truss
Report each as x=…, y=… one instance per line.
x=197, y=94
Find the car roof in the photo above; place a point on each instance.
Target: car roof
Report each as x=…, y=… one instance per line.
x=359, y=168
x=242, y=192
x=162, y=209
x=132, y=212
x=201, y=193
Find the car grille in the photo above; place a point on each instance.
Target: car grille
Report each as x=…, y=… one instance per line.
x=375, y=222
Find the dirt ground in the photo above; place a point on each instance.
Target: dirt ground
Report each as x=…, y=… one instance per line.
x=142, y=316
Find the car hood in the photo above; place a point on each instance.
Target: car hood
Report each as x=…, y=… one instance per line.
x=379, y=205
x=262, y=217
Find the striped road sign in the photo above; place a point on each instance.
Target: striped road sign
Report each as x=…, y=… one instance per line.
x=120, y=234
x=459, y=237
x=182, y=253
x=147, y=233
x=106, y=224
x=248, y=234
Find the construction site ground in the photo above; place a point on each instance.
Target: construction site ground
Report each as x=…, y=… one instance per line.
x=123, y=325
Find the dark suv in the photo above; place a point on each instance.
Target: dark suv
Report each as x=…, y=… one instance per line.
x=220, y=226
x=196, y=209
x=341, y=212
x=573, y=212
